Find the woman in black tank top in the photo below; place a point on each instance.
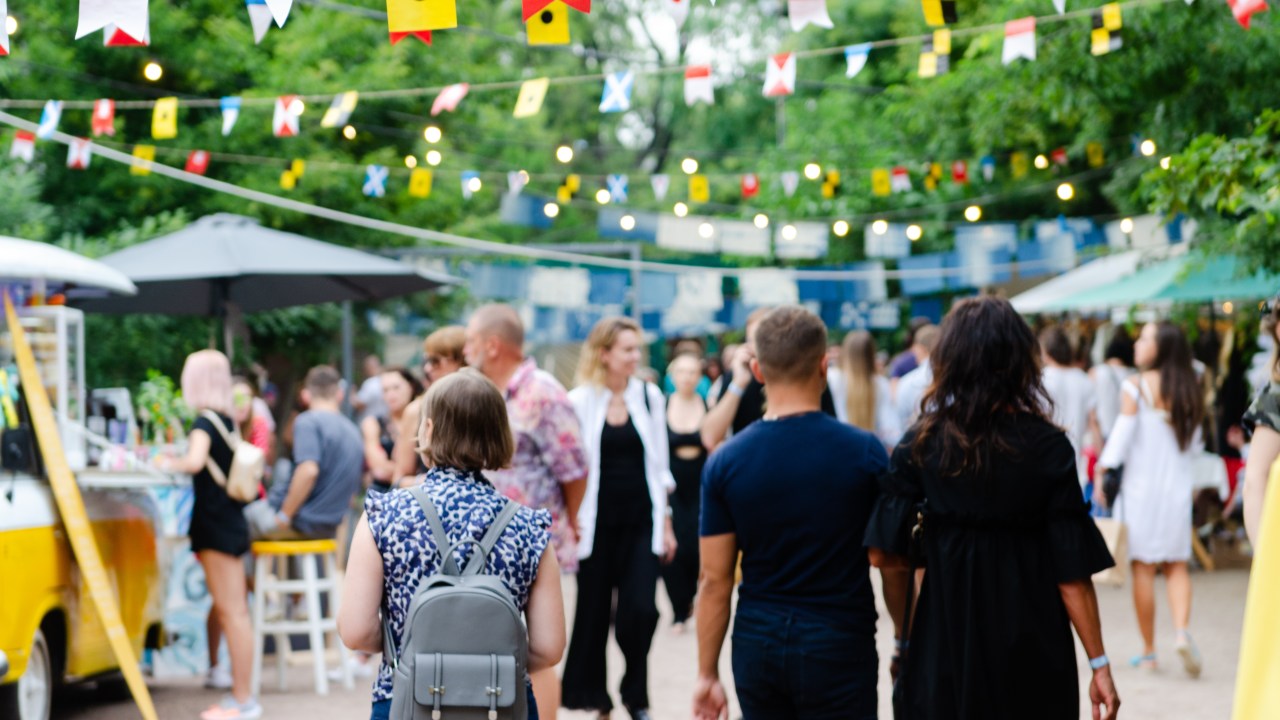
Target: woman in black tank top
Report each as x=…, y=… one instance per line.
x=685, y=412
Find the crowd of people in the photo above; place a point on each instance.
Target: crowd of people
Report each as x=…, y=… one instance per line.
x=969, y=470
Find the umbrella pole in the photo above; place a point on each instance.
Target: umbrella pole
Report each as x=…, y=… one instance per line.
x=348, y=352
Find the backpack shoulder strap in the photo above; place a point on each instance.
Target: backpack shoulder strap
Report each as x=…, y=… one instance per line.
x=447, y=564
x=227, y=436
x=476, y=564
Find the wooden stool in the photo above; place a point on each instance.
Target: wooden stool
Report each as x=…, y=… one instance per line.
x=308, y=553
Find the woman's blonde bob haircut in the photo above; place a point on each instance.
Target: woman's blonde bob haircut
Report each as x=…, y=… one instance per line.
x=469, y=426
x=206, y=382
x=591, y=369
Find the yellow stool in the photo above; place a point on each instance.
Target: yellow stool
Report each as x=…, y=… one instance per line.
x=308, y=554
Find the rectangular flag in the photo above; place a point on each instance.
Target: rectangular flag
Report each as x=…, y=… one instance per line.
x=340, y=109
x=449, y=98
x=939, y=12
x=780, y=75
x=420, y=183
x=1019, y=40
x=24, y=146
x=284, y=121
x=532, y=93
x=881, y=184
x=197, y=162
x=935, y=54
x=79, y=154
x=50, y=116
x=1105, y=36
x=143, y=157
x=104, y=117
x=699, y=189
x=697, y=85
x=617, y=92
x=164, y=119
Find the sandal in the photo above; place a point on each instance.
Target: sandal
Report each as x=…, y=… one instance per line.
x=1190, y=654
x=1146, y=662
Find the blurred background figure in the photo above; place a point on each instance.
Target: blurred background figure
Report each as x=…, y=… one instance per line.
x=862, y=395
x=685, y=412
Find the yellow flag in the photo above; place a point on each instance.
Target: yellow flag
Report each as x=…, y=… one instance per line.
x=938, y=12
x=414, y=15
x=928, y=64
x=164, y=120
x=1018, y=164
x=831, y=185
x=420, y=183
x=532, y=92
x=699, y=189
x=288, y=180
x=881, y=185
x=549, y=26
x=298, y=167
x=1111, y=18
x=1096, y=156
x=574, y=183
x=942, y=42
x=340, y=111
x=143, y=156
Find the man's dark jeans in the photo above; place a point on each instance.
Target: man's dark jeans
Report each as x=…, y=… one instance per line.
x=788, y=665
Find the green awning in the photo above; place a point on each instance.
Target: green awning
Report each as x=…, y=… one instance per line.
x=1182, y=279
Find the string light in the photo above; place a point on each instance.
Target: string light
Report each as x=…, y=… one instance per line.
x=840, y=228
x=153, y=71
x=432, y=134
x=627, y=223
x=551, y=209
x=1228, y=307
x=689, y=166
x=1165, y=162
x=434, y=157
x=1148, y=147
x=681, y=209
x=706, y=230
x=1042, y=162
x=789, y=232
x=914, y=232
x=524, y=176
x=602, y=196
x=1066, y=192
x=349, y=132
x=297, y=107
x=813, y=171
x=11, y=25
x=564, y=154
x=474, y=184
x=761, y=220
x=879, y=227
x=1126, y=226
x=411, y=161
x=973, y=213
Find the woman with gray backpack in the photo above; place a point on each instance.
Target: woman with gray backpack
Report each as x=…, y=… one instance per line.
x=443, y=576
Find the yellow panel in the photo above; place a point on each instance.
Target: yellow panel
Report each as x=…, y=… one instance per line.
x=549, y=26
x=164, y=121
x=942, y=42
x=1111, y=18
x=414, y=15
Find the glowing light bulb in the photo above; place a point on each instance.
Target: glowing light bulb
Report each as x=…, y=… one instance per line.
x=1126, y=226
x=11, y=24
x=434, y=157
x=706, y=230
x=1228, y=307
x=1148, y=147
x=914, y=232
x=762, y=221
x=410, y=161
x=153, y=71
x=813, y=171
x=627, y=223
x=432, y=134
x=1165, y=162
x=1042, y=162
x=297, y=107
x=681, y=209
x=524, y=176
x=689, y=166
x=1066, y=192
x=840, y=228
x=973, y=213
x=474, y=184
x=789, y=232
x=879, y=227
x=551, y=210
x=564, y=154
x=602, y=196
x=349, y=132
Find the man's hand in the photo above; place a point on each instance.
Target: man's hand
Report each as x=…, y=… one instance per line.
x=1102, y=693
x=709, y=701
x=669, y=544
x=742, y=367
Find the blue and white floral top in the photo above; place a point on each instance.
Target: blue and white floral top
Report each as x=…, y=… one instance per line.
x=467, y=505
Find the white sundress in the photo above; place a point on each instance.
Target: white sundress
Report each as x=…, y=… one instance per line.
x=1155, y=492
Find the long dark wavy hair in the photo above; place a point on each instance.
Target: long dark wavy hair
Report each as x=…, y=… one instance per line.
x=985, y=367
x=1180, y=389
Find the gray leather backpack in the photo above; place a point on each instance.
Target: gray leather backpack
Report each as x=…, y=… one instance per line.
x=465, y=648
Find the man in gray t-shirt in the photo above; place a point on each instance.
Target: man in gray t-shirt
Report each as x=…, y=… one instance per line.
x=328, y=457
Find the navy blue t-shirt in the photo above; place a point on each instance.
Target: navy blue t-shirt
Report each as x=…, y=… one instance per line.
x=798, y=492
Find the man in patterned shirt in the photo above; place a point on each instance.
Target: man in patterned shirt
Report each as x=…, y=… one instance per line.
x=549, y=469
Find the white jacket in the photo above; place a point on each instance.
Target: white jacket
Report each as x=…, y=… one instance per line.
x=591, y=403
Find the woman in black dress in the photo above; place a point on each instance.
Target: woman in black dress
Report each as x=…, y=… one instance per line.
x=685, y=412
x=1004, y=536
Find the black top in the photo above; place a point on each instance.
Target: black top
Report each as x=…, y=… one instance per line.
x=991, y=637
x=752, y=405
x=687, y=471
x=217, y=521
x=624, y=493
x=1264, y=412
x=797, y=493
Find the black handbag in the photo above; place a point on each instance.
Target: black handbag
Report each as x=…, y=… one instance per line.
x=1111, y=481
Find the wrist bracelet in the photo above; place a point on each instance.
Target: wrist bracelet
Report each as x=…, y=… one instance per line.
x=735, y=390
x=1099, y=662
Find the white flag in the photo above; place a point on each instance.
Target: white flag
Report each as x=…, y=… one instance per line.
x=259, y=19
x=660, y=183
x=1060, y=6
x=678, y=10
x=128, y=15
x=284, y=122
x=230, y=113
x=516, y=180
x=780, y=75
x=790, y=181
x=808, y=12
x=49, y=119
x=280, y=10
x=24, y=146
x=856, y=56
x=79, y=154
x=1019, y=40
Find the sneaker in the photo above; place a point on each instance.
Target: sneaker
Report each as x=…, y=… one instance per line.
x=219, y=678
x=1190, y=654
x=229, y=709
x=360, y=670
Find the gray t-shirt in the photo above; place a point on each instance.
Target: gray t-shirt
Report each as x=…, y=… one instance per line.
x=333, y=442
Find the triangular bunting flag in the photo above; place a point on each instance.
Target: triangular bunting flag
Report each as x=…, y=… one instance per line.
x=284, y=122
x=549, y=26
x=406, y=16
x=449, y=98
x=960, y=172
x=935, y=54
x=750, y=186
x=808, y=12
x=143, y=158
x=420, y=183
x=617, y=92
x=900, y=180
x=129, y=15
x=697, y=85
x=660, y=183
x=617, y=187
x=1019, y=40
x=939, y=12
x=50, y=116
x=988, y=168
x=197, y=162
x=104, y=116
x=375, y=181
x=113, y=36
x=530, y=7
x=780, y=75
x=532, y=93
x=280, y=10
x=4, y=28
x=1060, y=6
x=24, y=146
x=1105, y=36
x=1243, y=10
x=790, y=181
x=678, y=10
x=423, y=35
x=164, y=119
x=468, y=188
x=79, y=154
x=340, y=109
x=516, y=181
x=881, y=185
x=699, y=189
x=230, y=113
x=856, y=57
x=259, y=18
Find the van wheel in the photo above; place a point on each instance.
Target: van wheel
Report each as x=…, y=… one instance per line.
x=32, y=696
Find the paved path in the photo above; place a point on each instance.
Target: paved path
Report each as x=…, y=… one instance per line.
x=1163, y=695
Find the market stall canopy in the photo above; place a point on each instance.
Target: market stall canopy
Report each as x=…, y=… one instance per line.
x=227, y=258
x=30, y=260
x=1184, y=279
x=1093, y=274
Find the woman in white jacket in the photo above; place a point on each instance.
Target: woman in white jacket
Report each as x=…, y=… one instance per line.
x=624, y=524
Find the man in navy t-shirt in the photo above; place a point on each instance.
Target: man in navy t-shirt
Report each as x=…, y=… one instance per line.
x=792, y=492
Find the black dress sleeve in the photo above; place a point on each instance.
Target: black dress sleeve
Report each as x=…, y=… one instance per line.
x=1075, y=545
x=1264, y=412
x=901, y=492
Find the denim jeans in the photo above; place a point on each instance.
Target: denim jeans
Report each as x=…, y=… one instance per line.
x=789, y=665
x=382, y=708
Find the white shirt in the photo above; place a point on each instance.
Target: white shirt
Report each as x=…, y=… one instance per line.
x=888, y=428
x=591, y=404
x=910, y=391
x=1073, y=398
x=370, y=396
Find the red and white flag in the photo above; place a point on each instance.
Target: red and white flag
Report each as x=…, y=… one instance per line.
x=198, y=162
x=960, y=172
x=900, y=180
x=1019, y=40
x=1059, y=156
x=24, y=146
x=780, y=75
x=4, y=28
x=104, y=117
x=750, y=186
x=284, y=123
x=449, y=98
x=803, y=13
x=79, y=154
x=1244, y=10
x=697, y=85
x=113, y=36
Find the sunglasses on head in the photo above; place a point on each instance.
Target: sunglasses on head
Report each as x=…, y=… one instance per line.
x=1269, y=306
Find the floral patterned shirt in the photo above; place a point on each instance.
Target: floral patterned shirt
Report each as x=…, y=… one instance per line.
x=549, y=452
x=467, y=506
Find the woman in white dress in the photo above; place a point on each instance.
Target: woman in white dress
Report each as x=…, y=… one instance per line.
x=1155, y=440
x=862, y=396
